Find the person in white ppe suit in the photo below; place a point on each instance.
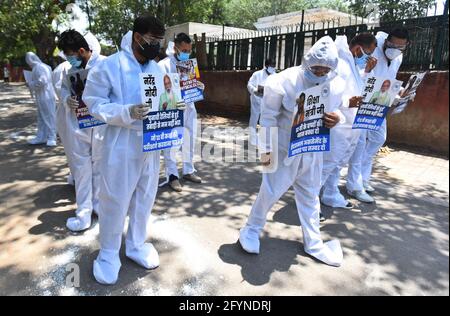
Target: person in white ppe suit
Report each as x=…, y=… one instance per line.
x=80, y=145
x=255, y=87
x=389, y=55
x=303, y=172
x=58, y=76
x=41, y=85
x=180, y=50
x=128, y=176
x=355, y=62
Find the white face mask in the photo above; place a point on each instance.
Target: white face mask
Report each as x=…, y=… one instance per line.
x=270, y=70
x=392, y=53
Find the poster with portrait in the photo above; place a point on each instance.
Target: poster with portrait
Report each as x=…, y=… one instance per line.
x=189, y=78
x=378, y=96
x=164, y=126
x=409, y=93
x=308, y=133
x=77, y=81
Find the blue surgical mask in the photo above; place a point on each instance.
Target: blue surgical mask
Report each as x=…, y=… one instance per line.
x=183, y=56
x=74, y=61
x=313, y=79
x=361, y=62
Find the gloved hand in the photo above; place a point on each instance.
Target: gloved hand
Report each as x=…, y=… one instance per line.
x=73, y=103
x=139, y=112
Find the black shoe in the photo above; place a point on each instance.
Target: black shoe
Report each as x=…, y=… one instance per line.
x=322, y=218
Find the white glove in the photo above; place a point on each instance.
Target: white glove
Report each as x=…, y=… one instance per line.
x=73, y=103
x=139, y=112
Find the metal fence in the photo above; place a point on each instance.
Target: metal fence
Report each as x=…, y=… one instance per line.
x=247, y=51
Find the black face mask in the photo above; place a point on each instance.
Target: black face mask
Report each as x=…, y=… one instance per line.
x=150, y=51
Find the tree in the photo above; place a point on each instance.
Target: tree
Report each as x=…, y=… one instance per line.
x=111, y=19
x=244, y=13
x=391, y=10
x=30, y=25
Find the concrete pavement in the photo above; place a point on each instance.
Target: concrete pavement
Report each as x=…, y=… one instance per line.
x=399, y=246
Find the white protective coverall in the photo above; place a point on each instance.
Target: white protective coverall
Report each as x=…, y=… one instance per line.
x=370, y=142
x=343, y=138
x=257, y=79
x=169, y=65
x=82, y=148
x=303, y=172
x=42, y=86
x=128, y=177
x=58, y=76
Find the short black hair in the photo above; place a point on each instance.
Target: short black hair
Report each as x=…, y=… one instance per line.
x=365, y=39
x=149, y=24
x=182, y=38
x=399, y=32
x=269, y=62
x=72, y=40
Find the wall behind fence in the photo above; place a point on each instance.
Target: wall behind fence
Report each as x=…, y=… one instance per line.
x=424, y=124
x=429, y=47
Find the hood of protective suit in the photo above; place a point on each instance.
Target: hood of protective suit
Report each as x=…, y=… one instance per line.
x=32, y=59
x=381, y=38
x=93, y=43
x=170, y=51
x=323, y=53
x=125, y=45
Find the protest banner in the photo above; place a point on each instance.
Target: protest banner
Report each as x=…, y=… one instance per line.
x=308, y=133
x=189, y=78
x=409, y=93
x=378, y=96
x=76, y=81
x=164, y=126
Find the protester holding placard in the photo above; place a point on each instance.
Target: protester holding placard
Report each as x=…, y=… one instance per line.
x=81, y=145
x=179, y=53
x=389, y=55
x=255, y=87
x=129, y=176
x=302, y=171
x=355, y=60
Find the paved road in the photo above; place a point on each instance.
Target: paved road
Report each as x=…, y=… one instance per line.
x=400, y=246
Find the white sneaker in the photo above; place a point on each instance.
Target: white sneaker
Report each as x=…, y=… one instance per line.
x=368, y=187
x=51, y=143
x=36, y=141
x=361, y=196
x=330, y=254
x=107, y=267
x=80, y=223
x=249, y=240
x=146, y=256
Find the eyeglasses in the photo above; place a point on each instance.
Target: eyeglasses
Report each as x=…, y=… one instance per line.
x=399, y=47
x=319, y=70
x=151, y=40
